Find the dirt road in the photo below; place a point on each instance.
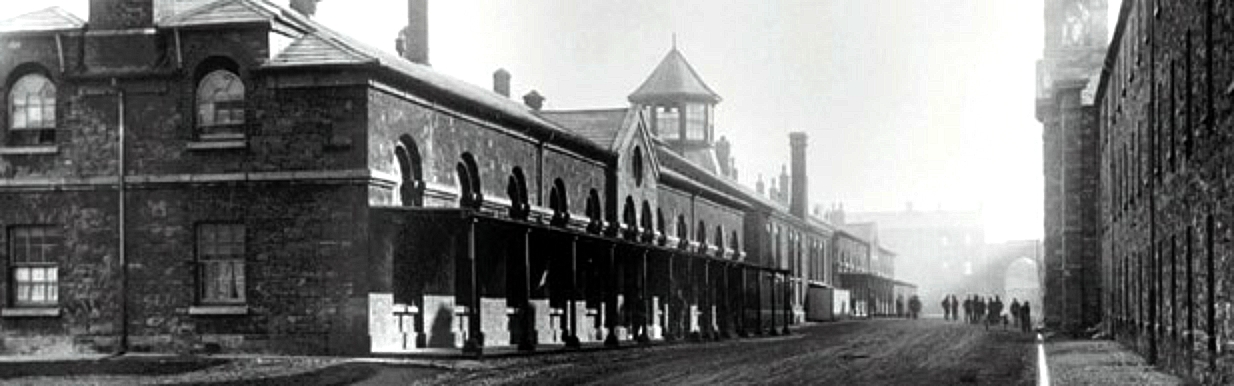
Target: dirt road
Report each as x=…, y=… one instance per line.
x=878, y=352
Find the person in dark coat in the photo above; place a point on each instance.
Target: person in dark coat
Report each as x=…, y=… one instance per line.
x=946, y=304
x=955, y=308
x=979, y=313
x=995, y=314
x=1015, y=311
x=1026, y=317
x=914, y=306
x=968, y=310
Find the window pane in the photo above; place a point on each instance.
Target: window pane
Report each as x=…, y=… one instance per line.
x=219, y=95
x=32, y=102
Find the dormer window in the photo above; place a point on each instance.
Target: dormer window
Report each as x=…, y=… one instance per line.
x=696, y=122
x=220, y=105
x=32, y=111
x=667, y=122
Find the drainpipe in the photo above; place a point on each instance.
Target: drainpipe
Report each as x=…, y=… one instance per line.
x=123, y=258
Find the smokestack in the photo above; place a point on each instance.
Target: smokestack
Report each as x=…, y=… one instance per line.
x=413, y=40
x=800, y=199
x=305, y=7
x=534, y=100
x=501, y=82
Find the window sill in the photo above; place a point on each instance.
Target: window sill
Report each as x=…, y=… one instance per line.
x=30, y=150
x=219, y=310
x=30, y=312
x=218, y=145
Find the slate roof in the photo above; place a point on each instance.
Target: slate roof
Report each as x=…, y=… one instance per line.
x=315, y=45
x=47, y=19
x=601, y=126
x=223, y=12
x=674, y=78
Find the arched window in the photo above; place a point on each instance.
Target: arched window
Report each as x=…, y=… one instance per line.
x=719, y=240
x=411, y=175
x=32, y=111
x=649, y=230
x=516, y=191
x=661, y=227
x=629, y=218
x=734, y=243
x=701, y=235
x=636, y=165
x=469, y=183
x=558, y=201
x=595, y=212
x=220, y=100
x=683, y=231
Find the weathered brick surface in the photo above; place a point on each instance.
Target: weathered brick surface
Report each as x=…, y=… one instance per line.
x=1166, y=147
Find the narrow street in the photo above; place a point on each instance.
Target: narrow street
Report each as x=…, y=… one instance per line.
x=879, y=352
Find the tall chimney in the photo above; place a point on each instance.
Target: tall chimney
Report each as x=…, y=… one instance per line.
x=121, y=14
x=534, y=100
x=414, y=38
x=501, y=82
x=800, y=192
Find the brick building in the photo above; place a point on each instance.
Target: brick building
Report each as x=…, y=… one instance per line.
x=1154, y=139
x=1067, y=79
x=231, y=175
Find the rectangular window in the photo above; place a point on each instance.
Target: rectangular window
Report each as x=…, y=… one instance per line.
x=667, y=122
x=35, y=252
x=696, y=122
x=220, y=257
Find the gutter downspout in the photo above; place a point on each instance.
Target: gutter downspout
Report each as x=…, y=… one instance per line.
x=123, y=190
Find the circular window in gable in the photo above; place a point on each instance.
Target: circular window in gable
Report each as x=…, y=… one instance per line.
x=636, y=166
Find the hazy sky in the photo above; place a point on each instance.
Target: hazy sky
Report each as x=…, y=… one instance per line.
x=929, y=101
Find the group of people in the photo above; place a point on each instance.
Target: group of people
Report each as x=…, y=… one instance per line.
x=987, y=311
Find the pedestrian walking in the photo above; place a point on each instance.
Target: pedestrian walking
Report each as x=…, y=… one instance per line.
x=1015, y=311
x=1026, y=317
x=968, y=310
x=914, y=306
x=995, y=313
x=955, y=308
x=946, y=308
x=979, y=313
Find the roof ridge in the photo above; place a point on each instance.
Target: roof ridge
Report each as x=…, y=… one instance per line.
x=33, y=21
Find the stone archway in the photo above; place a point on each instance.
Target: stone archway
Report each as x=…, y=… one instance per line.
x=1022, y=281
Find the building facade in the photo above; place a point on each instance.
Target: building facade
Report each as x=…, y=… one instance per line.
x=1156, y=125
x=232, y=176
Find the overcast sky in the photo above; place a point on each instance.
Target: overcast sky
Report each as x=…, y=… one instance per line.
x=928, y=101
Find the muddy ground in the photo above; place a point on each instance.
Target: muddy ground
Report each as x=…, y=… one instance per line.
x=878, y=352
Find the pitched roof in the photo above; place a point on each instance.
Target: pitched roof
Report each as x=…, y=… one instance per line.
x=47, y=19
x=600, y=126
x=674, y=77
x=223, y=12
x=315, y=45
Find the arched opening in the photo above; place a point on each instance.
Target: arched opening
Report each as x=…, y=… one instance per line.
x=718, y=239
x=1021, y=282
x=594, y=212
x=411, y=174
x=31, y=107
x=468, y=174
x=735, y=244
x=649, y=230
x=660, y=226
x=701, y=236
x=683, y=232
x=636, y=166
x=219, y=99
x=559, y=202
x=629, y=218
x=516, y=190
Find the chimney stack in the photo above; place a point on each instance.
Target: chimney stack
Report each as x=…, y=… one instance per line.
x=534, y=100
x=413, y=40
x=800, y=199
x=121, y=14
x=501, y=82
x=305, y=7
